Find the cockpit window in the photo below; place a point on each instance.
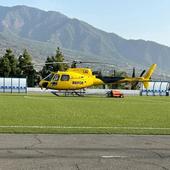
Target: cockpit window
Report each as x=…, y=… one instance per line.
x=65, y=77
x=49, y=77
x=56, y=77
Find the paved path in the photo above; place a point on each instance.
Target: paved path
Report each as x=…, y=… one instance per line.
x=84, y=152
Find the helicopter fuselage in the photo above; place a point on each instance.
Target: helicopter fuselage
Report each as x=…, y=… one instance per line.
x=72, y=79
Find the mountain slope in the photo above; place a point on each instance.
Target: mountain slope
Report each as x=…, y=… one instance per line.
x=41, y=32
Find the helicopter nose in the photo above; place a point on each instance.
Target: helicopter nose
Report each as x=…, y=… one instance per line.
x=43, y=84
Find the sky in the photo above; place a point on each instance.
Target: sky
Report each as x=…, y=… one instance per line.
x=130, y=19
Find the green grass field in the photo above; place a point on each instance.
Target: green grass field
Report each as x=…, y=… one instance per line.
x=51, y=114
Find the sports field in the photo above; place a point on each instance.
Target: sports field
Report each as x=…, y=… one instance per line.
x=50, y=114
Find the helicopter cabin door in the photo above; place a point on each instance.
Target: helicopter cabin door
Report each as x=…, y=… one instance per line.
x=64, y=82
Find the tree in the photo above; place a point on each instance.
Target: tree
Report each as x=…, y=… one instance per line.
x=52, y=66
x=24, y=61
x=12, y=62
x=5, y=68
x=8, y=64
x=11, y=67
x=26, y=68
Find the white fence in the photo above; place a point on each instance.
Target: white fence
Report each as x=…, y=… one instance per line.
x=156, y=89
x=89, y=91
x=13, y=85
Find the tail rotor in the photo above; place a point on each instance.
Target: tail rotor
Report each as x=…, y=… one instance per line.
x=135, y=84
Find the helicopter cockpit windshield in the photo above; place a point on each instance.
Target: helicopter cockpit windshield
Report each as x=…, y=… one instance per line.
x=49, y=77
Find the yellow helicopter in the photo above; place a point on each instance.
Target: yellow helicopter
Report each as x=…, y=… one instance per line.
x=81, y=78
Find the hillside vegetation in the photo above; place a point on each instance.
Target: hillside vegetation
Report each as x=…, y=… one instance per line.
x=42, y=31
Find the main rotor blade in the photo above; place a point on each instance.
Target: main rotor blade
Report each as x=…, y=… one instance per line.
x=134, y=85
x=95, y=62
x=57, y=62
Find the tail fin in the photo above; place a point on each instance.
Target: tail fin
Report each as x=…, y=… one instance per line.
x=150, y=72
x=148, y=75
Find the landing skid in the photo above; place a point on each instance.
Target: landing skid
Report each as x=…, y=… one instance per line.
x=69, y=93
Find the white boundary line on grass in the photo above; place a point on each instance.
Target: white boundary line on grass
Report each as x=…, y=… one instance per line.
x=85, y=127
